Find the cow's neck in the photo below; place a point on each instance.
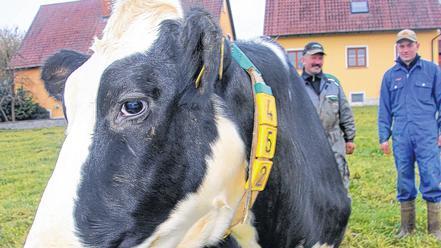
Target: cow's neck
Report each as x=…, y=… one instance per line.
x=203, y=216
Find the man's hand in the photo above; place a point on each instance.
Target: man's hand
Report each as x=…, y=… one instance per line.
x=439, y=140
x=350, y=147
x=385, y=147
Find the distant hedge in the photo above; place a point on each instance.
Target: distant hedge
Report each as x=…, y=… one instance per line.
x=25, y=108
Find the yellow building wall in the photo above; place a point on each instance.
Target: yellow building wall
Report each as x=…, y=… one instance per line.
x=225, y=21
x=30, y=80
x=380, y=57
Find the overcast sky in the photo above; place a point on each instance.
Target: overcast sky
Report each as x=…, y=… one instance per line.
x=247, y=14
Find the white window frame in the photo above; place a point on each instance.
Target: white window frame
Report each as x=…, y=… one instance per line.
x=360, y=12
x=50, y=113
x=296, y=50
x=395, y=51
x=356, y=46
x=357, y=92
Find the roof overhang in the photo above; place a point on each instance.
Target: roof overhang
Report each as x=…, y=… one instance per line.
x=348, y=32
x=27, y=67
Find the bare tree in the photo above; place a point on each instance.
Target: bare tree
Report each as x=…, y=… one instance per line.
x=10, y=40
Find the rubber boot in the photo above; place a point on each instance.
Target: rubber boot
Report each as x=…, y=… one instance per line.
x=433, y=219
x=407, y=219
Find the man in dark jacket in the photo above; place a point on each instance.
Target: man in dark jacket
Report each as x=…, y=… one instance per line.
x=410, y=99
x=330, y=102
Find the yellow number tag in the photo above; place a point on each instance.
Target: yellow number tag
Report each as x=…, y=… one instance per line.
x=266, y=105
x=261, y=172
x=266, y=142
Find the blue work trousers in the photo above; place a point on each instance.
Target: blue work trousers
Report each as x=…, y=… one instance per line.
x=417, y=142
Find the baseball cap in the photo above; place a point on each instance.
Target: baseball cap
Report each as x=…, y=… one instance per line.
x=313, y=48
x=406, y=34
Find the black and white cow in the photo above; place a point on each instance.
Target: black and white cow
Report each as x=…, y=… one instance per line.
x=149, y=160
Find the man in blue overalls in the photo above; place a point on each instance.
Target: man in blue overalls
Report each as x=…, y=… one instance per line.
x=410, y=99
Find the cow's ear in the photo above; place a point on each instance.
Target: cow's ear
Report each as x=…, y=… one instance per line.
x=58, y=68
x=202, y=41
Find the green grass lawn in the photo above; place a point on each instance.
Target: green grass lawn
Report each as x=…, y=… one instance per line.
x=375, y=212
x=28, y=157
x=26, y=162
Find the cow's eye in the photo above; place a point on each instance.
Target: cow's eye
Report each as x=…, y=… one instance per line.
x=133, y=108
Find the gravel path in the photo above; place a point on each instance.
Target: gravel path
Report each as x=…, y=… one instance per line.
x=33, y=124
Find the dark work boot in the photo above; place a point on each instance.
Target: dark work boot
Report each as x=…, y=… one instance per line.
x=433, y=219
x=407, y=219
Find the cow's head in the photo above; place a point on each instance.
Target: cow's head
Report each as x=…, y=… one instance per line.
x=148, y=157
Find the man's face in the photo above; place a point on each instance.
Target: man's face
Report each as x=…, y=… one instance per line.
x=313, y=63
x=407, y=50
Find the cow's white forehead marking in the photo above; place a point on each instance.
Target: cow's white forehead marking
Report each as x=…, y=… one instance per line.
x=202, y=217
x=132, y=28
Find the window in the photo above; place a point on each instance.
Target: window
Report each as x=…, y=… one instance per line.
x=357, y=97
x=359, y=6
x=356, y=57
x=295, y=56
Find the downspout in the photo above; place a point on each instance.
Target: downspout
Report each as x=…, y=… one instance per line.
x=432, y=46
x=230, y=15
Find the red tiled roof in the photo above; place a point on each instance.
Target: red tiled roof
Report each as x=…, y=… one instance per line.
x=212, y=6
x=69, y=25
x=289, y=17
x=73, y=25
